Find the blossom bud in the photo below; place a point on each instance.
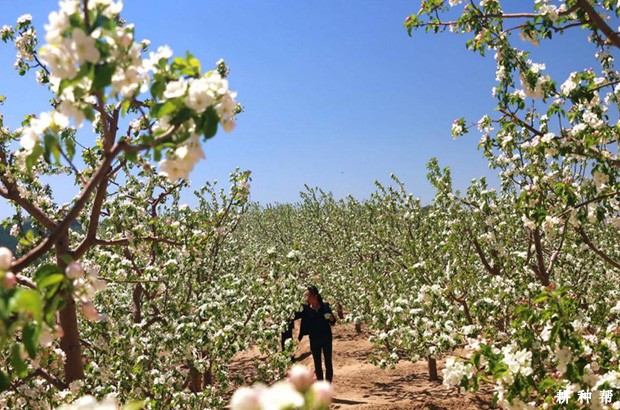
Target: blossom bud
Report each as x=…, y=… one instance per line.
x=89, y=311
x=10, y=280
x=300, y=377
x=46, y=338
x=74, y=271
x=6, y=258
x=322, y=392
x=228, y=125
x=245, y=398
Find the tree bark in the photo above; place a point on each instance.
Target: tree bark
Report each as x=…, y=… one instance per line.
x=432, y=369
x=339, y=311
x=137, y=303
x=70, y=341
x=195, y=380
x=207, y=378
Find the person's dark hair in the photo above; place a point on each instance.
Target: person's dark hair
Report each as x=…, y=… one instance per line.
x=314, y=291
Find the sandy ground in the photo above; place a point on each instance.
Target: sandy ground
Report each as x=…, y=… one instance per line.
x=358, y=384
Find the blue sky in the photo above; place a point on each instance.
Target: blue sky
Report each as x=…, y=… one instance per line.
x=336, y=94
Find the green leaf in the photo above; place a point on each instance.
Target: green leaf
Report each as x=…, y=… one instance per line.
x=125, y=107
x=547, y=383
x=16, y=361
x=540, y=298
x=5, y=382
x=161, y=110
x=31, y=339
x=32, y=159
x=70, y=147
x=51, y=307
x=210, y=121
x=181, y=116
x=103, y=75
x=51, y=147
x=194, y=63
x=158, y=88
x=131, y=156
x=46, y=270
x=4, y=311
x=134, y=405
x=499, y=370
x=51, y=280
x=26, y=300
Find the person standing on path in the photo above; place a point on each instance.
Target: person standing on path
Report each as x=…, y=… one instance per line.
x=316, y=322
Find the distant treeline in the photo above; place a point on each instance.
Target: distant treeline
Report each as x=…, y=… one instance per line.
x=6, y=239
x=10, y=242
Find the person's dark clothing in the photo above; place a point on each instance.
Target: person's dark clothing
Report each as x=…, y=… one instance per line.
x=288, y=333
x=314, y=324
x=326, y=347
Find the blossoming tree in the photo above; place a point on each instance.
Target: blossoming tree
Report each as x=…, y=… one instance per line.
x=140, y=106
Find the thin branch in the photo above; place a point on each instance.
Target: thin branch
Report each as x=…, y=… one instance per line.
x=493, y=270
x=12, y=193
x=596, y=250
x=539, y=268
x=60, y=230
x=556, y=253
x=589, y=201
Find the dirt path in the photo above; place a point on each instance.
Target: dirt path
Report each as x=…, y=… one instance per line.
x=358, y=384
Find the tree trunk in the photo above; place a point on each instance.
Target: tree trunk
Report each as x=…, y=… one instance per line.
x=358, y=327
x=195, y=380
x=432, y=369
x=339, y=311
x=137, y=303
x=207, y=378
x=70, y=341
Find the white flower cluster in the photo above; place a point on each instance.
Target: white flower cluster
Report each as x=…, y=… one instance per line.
x=535, y=90
x=457, y=129
x=24, y=44
x=518, y=362
x=295, y=392
x=455, y=371
x=85, y=286
x=198, y=94
x=91, y=403
x=294, y=254
x=31, y=134
x=551, y=11
x=569, y=85
x=182, y=160
x=203, y=92
x=64, y=53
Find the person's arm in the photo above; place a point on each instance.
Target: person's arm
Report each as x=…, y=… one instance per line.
x=299, y=315
x=332, y=319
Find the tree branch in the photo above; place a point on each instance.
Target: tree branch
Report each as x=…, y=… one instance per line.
x=539, y=268
x=598, y=22
x=596, y=250
x=60, y=230
x=493, y=270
